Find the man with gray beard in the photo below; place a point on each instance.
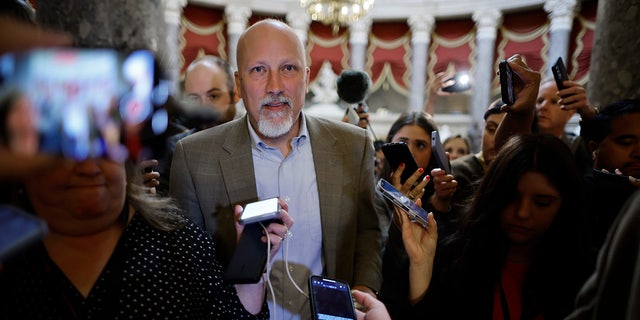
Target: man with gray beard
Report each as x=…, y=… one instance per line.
x=323, y=169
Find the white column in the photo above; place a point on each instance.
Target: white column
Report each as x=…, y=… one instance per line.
x=561, y=13
x=237, y=19
x=172, y=14
x=358, y=40
x=421, y=27
x=487, y=22
x=299, y=20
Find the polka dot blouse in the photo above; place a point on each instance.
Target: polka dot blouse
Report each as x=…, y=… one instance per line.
x=151, y=275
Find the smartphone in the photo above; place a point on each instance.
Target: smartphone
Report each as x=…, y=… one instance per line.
x=415, y=212
x=263, y=210
x=330, y=299
x=559, y=74
x=397, y=153
x=437, y=149
x=248, y=260
x=506, y=83
x=81, y=99
x=461, y=82
x=18, y=230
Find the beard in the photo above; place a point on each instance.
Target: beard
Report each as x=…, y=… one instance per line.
x=275, y=124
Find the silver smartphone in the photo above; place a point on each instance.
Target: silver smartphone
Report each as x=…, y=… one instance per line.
x=263, y=210
x=415, y=212
x=437, y=149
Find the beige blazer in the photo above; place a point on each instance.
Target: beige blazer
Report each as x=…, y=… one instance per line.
x=212, y=171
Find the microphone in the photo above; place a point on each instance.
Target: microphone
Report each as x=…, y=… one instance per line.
x=353, y=86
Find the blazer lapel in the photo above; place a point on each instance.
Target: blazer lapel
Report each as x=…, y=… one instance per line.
x=237, y=164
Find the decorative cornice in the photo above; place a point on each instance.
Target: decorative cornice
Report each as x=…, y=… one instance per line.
x=173, y=10
x=487, y=22
x=299, y=21
x=237, y=17
x=561, y=13
x=359, y=31
x=421, y=27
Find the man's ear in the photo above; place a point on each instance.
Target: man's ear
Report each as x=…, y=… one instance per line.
x=236, y=89
x=235, y=96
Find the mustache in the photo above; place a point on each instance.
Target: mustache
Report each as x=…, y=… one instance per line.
x=275, y=98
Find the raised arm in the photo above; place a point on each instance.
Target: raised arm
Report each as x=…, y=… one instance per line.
x=521, y=114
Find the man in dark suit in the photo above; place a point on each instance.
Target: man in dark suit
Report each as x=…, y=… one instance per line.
x=322, y=169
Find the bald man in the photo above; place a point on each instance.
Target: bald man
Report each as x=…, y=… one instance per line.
x=323, y=169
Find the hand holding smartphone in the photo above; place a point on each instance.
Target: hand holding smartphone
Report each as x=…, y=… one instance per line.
x=250, y=256
x=437, y=149
x=559, y=74
x=506, y=83
x=330, y=299
x=413, y=211
x=461, y=82
x=258, y=211
x=397, y=153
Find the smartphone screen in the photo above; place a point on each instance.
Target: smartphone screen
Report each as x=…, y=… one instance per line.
x=81, y=99
x=437, y=149
x=18, y=230
x=330, y=299
x=260, y=211
x=398, y=152
x=506, y=83
x=414, y=212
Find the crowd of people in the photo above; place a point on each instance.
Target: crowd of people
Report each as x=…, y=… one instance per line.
x=532, y=226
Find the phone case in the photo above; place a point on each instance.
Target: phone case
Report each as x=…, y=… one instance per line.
x=506, y=83
x=398, y=152
x=330, y=299
x=437, y=149
x=559, y=73
x=412, y=210
x=249, y=258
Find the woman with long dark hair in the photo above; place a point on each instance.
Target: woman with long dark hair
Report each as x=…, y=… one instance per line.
x=518, y=251
x=433, y=193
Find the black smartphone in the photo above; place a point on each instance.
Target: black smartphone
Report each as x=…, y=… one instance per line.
x=559, y=73
x=461, y=82
x=249, y=258
x=263, y=210
x=437, y=149
x=506, y=83
x=330, y=299
x=413, y=211
x=397, y=153
x=18, y=230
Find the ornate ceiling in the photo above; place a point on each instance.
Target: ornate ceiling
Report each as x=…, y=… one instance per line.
x=391, y=9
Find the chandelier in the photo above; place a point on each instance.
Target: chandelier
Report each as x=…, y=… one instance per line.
x=336, y=12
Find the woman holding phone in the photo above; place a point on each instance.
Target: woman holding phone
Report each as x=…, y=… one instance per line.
x=432, y=192
x=518, y=252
